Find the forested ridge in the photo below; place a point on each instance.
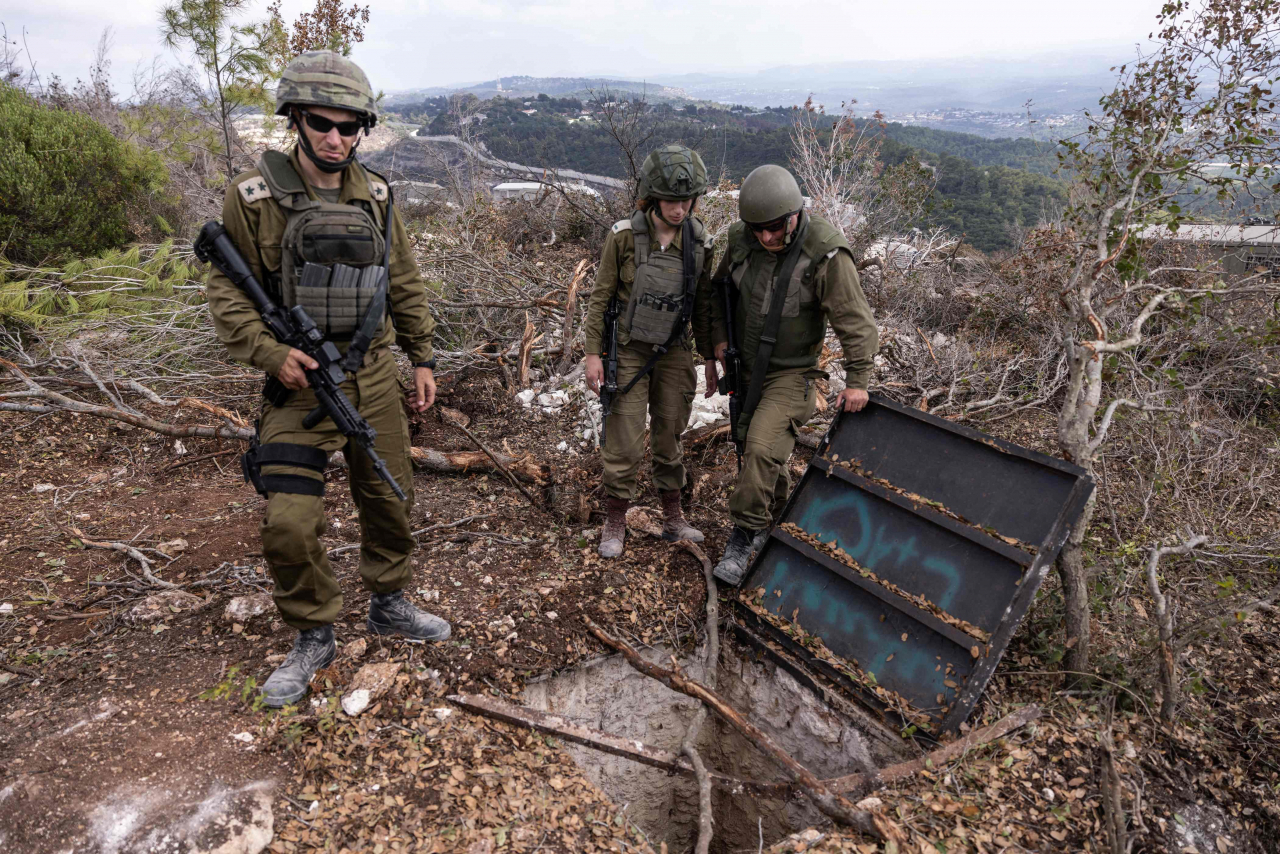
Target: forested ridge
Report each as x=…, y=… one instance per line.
x=986, y=187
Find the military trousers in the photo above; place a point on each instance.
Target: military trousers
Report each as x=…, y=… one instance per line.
x=765, y=482
x=306, y=591
x=666, y=394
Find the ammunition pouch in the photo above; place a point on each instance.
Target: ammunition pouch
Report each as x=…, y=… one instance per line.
x=283, y=454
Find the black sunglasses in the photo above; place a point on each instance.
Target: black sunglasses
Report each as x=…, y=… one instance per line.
x=776, y=225
x=321, y=125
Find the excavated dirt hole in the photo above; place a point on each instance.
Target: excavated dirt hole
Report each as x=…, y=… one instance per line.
x=611, y=696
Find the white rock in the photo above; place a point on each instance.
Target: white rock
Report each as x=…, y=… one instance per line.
x=6, y=608
x=1048, y=793
x=551, y=615
x=43, y=487
x=526, y=397
x=242, y=609
x=504, y=622
x=370, y=683
x=356, y=702
x=179, y=448
x=563, y=446
x=245, y=737
x=869, y=803
x=550, y=401
x=442, y=713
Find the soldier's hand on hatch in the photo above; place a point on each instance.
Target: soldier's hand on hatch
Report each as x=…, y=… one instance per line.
x=424, y=384
x=853, y=399
x=713, y=378
x=291, y=373
x=593, y=370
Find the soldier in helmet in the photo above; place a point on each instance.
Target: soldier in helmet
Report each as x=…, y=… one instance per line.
x=309, y=223
x=791, y=273
x=655, y=265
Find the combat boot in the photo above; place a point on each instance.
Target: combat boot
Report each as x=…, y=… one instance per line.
x=313, y=650
x=674, y=525
x=392, y=614
x=737, y=552
x=615, y=527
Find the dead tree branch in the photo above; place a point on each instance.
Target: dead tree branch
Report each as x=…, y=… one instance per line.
x=627, y=748
x=56, y=402
x=511, y=477
x=711, y=675
x=861, y=784
x=1164, y=623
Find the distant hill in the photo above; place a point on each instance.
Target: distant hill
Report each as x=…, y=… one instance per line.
x=986, y=187
x=527, y=87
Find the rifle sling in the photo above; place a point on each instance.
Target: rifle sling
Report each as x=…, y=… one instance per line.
x=769, y=335
x=686, y=307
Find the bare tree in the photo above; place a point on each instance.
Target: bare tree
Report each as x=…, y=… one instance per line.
x=841, y=169
x=1199, y=100
x=628, y=121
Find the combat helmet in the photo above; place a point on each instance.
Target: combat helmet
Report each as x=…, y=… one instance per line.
x=673, y=172
x=325, y=78
x=768, y=194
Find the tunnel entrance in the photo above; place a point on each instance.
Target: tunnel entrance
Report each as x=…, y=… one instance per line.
x=609, y=695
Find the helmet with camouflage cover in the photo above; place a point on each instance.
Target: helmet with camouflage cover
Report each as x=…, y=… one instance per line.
x=324, y=78
x=673, y=172
x=768, y=194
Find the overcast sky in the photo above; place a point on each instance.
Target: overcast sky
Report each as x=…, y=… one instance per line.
x=416, y=43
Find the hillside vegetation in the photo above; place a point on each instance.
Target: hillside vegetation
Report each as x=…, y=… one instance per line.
x=988, y=190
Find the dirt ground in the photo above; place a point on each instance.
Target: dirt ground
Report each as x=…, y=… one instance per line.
x=126, y=733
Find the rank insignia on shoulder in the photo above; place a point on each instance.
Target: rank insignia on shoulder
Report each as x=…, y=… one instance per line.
x=379, y=191
x=254, y=189
x=621, y=225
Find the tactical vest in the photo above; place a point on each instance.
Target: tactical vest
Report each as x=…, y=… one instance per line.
x=658, y=292
x=803, y=325
x=330, y=254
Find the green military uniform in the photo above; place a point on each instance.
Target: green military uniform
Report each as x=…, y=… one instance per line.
x=306, y=591
x=823, y=287
x=666, y=392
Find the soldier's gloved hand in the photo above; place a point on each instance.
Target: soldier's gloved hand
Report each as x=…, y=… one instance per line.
x=593, y=370
x=713, y=378
x=853, y=399
x=291, y=373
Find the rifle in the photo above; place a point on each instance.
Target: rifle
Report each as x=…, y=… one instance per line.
x=609, y=390
x=731, y=383
x=295, y=328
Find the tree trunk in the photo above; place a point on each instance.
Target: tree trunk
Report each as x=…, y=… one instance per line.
x=1075, y=593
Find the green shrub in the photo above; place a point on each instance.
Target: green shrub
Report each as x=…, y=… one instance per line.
x=68, y=187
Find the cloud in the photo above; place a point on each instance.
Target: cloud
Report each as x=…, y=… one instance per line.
x=415, y=43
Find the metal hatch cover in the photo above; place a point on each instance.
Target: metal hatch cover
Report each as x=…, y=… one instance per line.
x=911, y=549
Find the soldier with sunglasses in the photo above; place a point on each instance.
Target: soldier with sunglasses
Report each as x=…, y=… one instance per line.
x=314, y=225
x=788, y=273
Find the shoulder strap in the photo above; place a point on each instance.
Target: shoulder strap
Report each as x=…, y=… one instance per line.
x=286, y=185
x=640, y=234
x=769, y=335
